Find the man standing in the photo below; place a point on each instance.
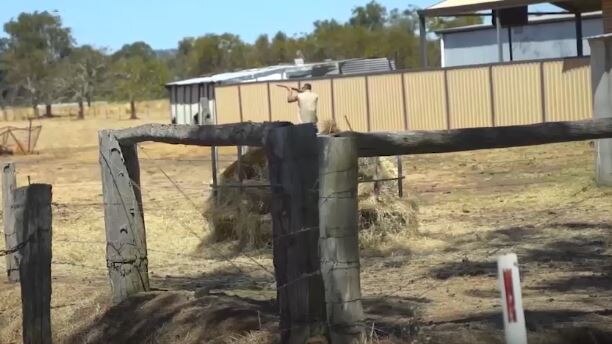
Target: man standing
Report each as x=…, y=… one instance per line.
x=307, y=103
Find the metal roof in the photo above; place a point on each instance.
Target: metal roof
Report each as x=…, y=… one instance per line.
x=535, y=21
x=367, y=66
x=247, y=74
x=287, y=71
x=453, y=7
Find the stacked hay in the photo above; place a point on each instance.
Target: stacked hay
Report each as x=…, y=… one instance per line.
x=244, y=215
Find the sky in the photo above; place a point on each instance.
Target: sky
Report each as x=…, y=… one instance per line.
x=162, y=23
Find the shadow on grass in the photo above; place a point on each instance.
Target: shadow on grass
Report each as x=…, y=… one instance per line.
x=212, y=307
x=558, y=327
x=575, y=253
x=167, y=317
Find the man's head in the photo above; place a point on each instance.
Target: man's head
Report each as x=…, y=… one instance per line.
x=307, y=87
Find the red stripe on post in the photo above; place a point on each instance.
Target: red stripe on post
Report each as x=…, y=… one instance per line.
x=510, y=300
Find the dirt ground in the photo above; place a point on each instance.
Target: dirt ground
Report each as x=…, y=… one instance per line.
x=439, y=286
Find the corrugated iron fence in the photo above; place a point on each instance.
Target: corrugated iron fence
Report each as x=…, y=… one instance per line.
x=477, y=96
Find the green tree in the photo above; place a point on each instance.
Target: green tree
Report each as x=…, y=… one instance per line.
x=4, y=85
x=217, y=53
x=178, y=65
x=140, y=49
x=372, y=16
x=36, y=43
x=261, y=52
x=137, y=78
x=82, y=72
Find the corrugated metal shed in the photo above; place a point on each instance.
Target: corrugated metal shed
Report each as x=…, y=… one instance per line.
x=186, y=96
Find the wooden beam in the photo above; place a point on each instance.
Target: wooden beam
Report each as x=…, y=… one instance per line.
x=339, y=238
x=126, y=246
x=9, y=184
x=238, y=134
x=293, y=169
x=33, y=222
x=444, y=141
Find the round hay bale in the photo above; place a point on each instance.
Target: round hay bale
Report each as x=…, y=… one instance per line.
x=243, y=215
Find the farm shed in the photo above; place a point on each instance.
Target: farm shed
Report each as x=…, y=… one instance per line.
x=546, y=37
x=192, y=101
x=504, y=14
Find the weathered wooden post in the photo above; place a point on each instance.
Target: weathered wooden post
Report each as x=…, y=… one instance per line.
x=601, y=66
x=33, y=223
x=339, y=238
x=9, y=184
x=400, y=177
x=293, y=168
x=126, y=246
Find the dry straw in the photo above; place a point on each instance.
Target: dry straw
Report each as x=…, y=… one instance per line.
x=243, y=214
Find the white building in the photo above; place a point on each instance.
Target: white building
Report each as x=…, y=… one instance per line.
x=542, y=38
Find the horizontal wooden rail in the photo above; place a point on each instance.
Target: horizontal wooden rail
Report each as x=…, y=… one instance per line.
x=238, y=134
x=444, y=141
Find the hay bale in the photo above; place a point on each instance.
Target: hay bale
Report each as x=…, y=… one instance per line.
x=243, y=215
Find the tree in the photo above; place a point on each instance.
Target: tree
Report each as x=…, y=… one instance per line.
x=261, y=52
x=373, y=16
x=36, y=43
x=278, y=48
x=136, y=78
x=82, y=73
x=4, y=86
x=140, y=49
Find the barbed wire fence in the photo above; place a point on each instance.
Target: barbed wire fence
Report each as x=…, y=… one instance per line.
x=248, y=263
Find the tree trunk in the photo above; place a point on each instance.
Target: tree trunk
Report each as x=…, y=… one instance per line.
x=4, y=112
x=133, y=109
x=88, y=101
x=36, y=112
x=48, y=110
x=81, y=114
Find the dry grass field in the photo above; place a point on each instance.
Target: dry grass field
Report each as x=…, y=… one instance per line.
x=438, y=286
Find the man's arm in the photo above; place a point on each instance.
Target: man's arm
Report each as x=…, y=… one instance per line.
x=291, y=97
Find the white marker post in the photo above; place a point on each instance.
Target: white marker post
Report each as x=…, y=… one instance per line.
x=512, y=301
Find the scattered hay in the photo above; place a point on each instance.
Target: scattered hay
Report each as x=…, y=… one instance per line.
x=254, y=337
x=243, y=215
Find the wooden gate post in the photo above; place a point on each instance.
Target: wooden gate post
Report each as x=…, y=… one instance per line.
x=293, y=167
x=33, y=223
x=339, y=242
x=126, y=246
x=601, y=66
x=9, y=184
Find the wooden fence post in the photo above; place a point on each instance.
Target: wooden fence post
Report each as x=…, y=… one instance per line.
x=400, y=177
x=339, y=242
x=215, y=186
x=293, y=167
x=9, y=184
x=33, y=223
x=126, y=246
x=601, y=65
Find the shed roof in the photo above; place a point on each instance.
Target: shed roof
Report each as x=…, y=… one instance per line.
x=555, y=18
x=253, y=73
x=453, y=7
x=290, y=71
